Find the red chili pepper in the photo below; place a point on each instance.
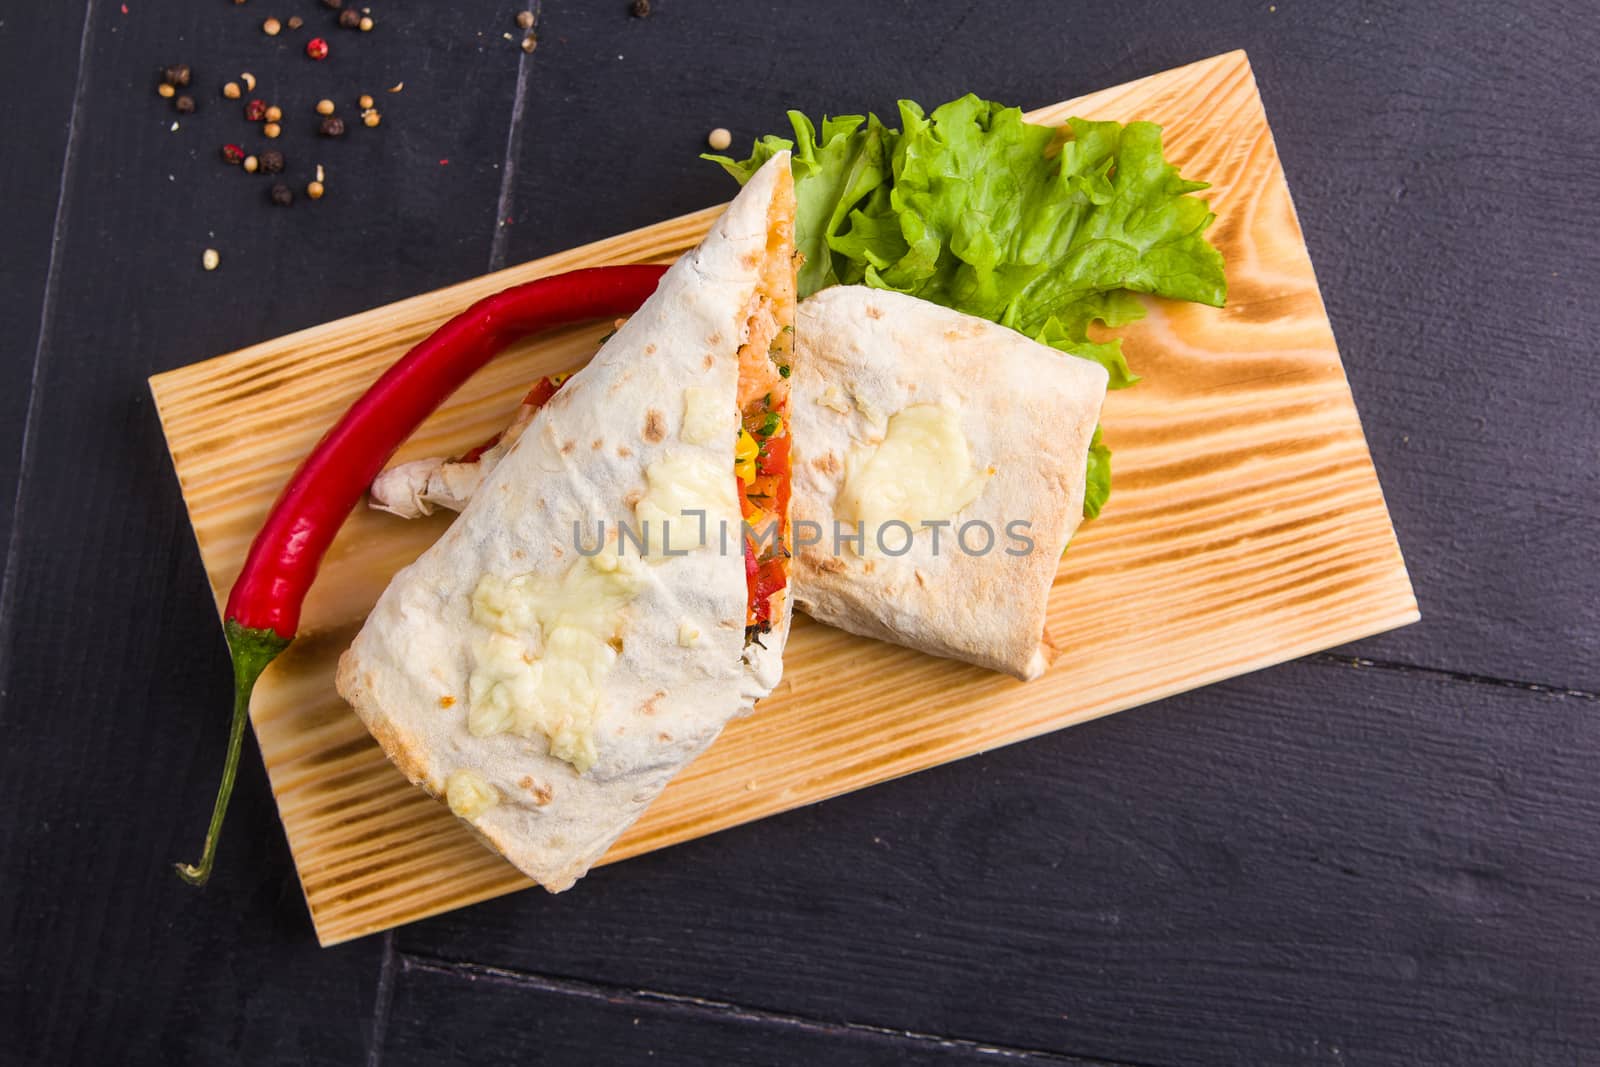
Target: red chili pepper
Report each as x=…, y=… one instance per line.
x=264, y=607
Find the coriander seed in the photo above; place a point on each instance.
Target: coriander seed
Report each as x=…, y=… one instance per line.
x=325, y=107
x=165, y=91
x=274, y=113
x=314, y=190
x=251, y=164
x=231, y=91
x=271, y=27
x=365, y=102
x=333, y=5
x=371, y=118
x=366, y=24
x=271, y=129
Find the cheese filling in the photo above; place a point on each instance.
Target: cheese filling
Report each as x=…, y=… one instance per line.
x=921, y=472
x=540, y=668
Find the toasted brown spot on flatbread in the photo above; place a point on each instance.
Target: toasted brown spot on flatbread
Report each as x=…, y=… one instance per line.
x=711, y=361
x=568, y=446
x=649, y=706
x=750, y=260
x=869, y=566
x=715, y=339
x=447, y=701
x=541, y=792
x=663, y=737
x=874, y=311
x=649, y=350
x=922, y=579
x=517, y=553
x=655, y=426
x=827, y=463
x=623, y=451
x=597, y=443
x=633, y=498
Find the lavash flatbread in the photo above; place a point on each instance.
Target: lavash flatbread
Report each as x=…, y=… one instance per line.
x=1026, y=411
x=681, y=669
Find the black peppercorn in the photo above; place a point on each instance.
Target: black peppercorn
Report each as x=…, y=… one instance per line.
x=184, y=103
x=178, y=75
x=282, y=195
x=350, y=18
x=640, y=9
x=332, y=126
x=333, y=5
x=272, y=161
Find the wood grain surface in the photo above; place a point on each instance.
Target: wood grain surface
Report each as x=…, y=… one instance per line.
x=1246, y=528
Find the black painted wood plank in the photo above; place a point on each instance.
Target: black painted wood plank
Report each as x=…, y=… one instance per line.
x=447, y=1014
x=1440, y=166
x=40, y=44
x=117, y=686
x=1316, y=863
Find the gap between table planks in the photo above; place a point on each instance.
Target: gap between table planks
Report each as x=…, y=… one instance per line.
x=1246, y=528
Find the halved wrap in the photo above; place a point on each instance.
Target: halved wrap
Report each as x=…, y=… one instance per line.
x=547, y=680
x=955, y=448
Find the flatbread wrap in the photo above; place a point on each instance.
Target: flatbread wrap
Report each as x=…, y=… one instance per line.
x=596, y=615
x=939, y=470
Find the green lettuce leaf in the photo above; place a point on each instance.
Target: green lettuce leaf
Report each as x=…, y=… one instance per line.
x=1098, y=488
x=1043, y=230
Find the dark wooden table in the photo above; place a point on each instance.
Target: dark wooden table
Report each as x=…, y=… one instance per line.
x=1387, y=854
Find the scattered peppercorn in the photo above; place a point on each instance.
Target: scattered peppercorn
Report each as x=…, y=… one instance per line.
x=350, y=19
x=333, y=5
x=255, y=110
x=529, y=43
x=317, y=48
x=251, y=164
x=231, y=91
x=332, y=126
x=371, y=118
x=282, y=195
x=271, y=27
x=719, y=139
x=366, y=24
x=233, y=153
x=365, y=102
x=271, y=129
x=177, y=75
x=274, y=114
x=209, y=259
x=640, y=9
x=272, y=161
x=325, y=107
x=184, y=104
x=525, y=19
x=165, y=91
x=295, y=22
x=314, y=190
x=249, y=81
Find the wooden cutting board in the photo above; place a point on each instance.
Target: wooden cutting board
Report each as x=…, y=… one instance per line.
x=1246, y=528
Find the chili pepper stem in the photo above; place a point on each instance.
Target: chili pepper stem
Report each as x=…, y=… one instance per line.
x=252, y=650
